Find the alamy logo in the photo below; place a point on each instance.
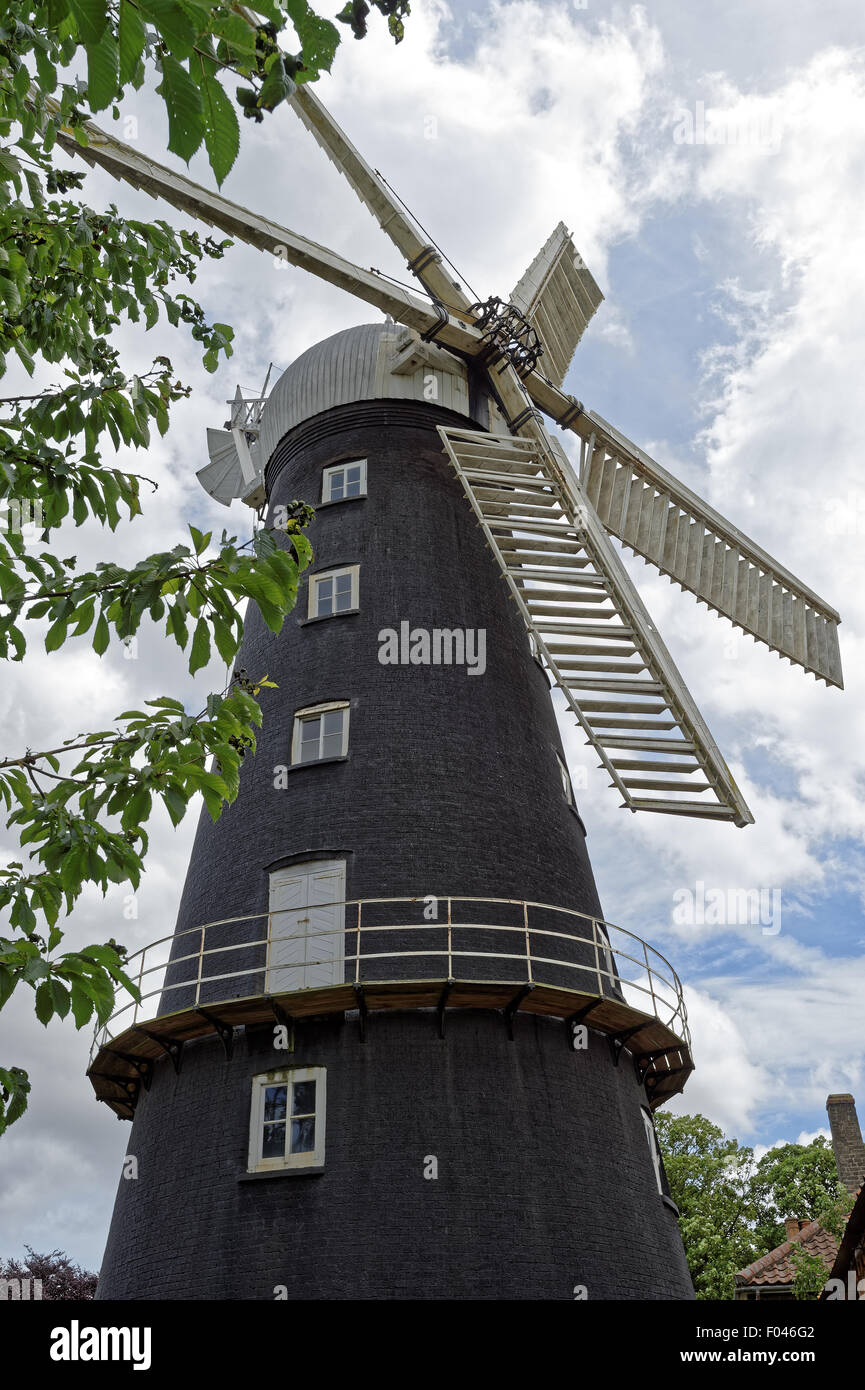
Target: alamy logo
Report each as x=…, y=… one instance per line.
x=20, y=1290
x=439, y=646
x=76, y=1343
x=23, y=519
x=728, y=907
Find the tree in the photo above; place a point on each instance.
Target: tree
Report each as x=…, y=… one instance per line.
x=54, y=1276
x=80, y=808
x=732, y=1210
x=795, y=1180
x=710, y=1180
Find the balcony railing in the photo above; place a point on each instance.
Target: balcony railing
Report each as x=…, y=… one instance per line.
x=478, y=940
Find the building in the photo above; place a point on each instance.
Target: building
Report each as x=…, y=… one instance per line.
x=396, y=1052
x=848, y=1269
x=773, y=1275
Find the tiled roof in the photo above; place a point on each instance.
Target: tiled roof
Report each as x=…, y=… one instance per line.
x=777, y=1267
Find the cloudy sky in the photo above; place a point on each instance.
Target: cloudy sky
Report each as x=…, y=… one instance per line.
x=729, y=345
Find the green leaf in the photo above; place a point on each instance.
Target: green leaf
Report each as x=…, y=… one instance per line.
x=276, y=87
x=59, y=997
x=201, y=540
x=132, y=38
x=175, y=804
x=8, y=982
x=56, y=635
x=101, y=635
x=103, y=66
x=82, y=1006
x=44, y=1003
x=200, y=652
x=183, y=104
x=91, y=17
x=221, y=128
x=319, y=38
x=174, y=25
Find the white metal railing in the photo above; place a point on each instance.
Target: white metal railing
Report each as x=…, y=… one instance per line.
x=615, y=963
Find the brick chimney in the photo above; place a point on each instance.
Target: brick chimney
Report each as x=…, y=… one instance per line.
x=793, y=1225
x=846, y=1141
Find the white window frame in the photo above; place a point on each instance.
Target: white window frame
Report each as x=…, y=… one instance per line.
x=312, y=712
x=654, y=1147
x=567, y=786
x=334, y=574
x=328, y=474
x=313, y=1158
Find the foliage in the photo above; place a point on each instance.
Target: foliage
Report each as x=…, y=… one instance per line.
x=710, y=1180
x=70, y=277
x=732, y=1209
x=61, y=1280
x=195, y=47
x=795, y=1180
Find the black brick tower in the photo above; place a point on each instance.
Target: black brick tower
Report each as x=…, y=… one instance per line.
x=432, y=1133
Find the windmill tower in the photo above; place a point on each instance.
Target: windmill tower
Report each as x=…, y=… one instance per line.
x=392, y=1049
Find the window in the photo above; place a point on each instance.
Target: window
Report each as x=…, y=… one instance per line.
x=320, y=732
x=344, y=480
x=287, y=1121
x=653, y=1148
x=566, y=781
x=336, y=591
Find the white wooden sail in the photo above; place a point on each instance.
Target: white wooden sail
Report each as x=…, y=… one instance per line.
x=422, y=258
x=545, y=527
x=558, y=295
x=592, y=629
x=655, y=515
x=135, y=168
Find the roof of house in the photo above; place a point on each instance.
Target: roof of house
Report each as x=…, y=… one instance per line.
x=777, y=1267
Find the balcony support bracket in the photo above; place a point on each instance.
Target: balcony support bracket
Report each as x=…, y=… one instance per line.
x=130, y=1108
x=573, y=1022
x=512, y=1008
x=225, y=1031
x=142, y=1066
x=644, y=1060
x=362, y=1011
x=172, y=1047
x=618, y=1041
x=129, y=1084
x=652, y=1081
x=442, y=1005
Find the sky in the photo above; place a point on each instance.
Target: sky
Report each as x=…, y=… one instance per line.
x=730, y=346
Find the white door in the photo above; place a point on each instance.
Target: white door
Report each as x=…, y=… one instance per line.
x=307, y=926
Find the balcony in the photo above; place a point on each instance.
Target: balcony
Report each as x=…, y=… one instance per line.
x=368, y=955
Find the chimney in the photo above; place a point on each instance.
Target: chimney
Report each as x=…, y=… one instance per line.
x=794, y=1224
x=846, y=1141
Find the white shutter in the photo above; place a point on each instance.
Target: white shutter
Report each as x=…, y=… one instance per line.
x=306, y=935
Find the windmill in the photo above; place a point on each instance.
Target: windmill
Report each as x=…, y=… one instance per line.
x=416, y=874
x=548, y=528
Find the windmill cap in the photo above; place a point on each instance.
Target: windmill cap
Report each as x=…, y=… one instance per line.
x=373, y=361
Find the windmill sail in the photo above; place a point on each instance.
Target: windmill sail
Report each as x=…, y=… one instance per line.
x=137, y=169
x=558, y=295
x=592, y=629
x=546, y=529
x=655, y=515
x=422, y=258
